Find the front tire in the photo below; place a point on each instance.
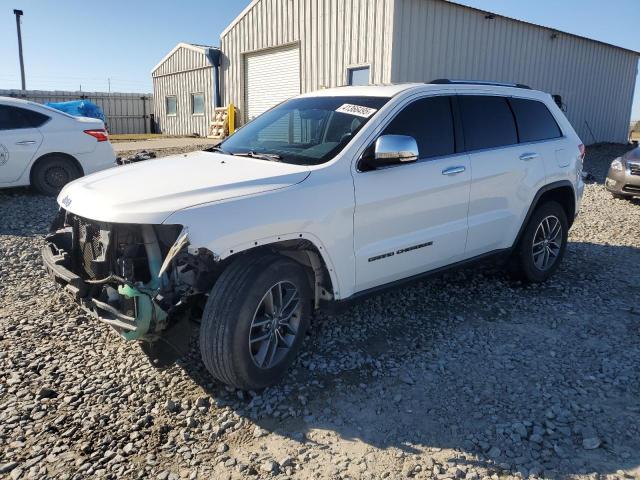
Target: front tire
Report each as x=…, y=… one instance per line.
x=255, y=320
x=52, y=173
x=542, y=246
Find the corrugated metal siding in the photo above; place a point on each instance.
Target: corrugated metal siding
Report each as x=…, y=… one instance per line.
x=333, y=35
x=124, y=112
x=181, y=60
x=183, y=73
x=436, y=39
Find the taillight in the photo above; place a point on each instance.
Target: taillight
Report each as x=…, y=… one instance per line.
x=583, y=151
x=99, y=134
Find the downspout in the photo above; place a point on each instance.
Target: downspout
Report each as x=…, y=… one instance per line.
x=214, y=54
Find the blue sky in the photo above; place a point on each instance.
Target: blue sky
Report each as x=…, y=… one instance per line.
x=73, y=43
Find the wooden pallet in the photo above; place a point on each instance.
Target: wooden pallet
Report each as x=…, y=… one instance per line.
x=223, y=123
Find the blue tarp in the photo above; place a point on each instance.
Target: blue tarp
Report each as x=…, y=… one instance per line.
x=79, y=108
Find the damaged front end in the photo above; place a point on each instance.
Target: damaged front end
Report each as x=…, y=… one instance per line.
x=143, y=280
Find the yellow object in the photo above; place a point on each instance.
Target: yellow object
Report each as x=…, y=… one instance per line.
x=231, y=118
x=224, y=122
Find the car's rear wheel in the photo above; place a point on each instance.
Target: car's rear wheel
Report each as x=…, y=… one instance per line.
x=52, y=173
x=255, y=321
x=543, y=244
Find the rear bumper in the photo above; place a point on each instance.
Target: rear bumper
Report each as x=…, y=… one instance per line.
x=101, y=158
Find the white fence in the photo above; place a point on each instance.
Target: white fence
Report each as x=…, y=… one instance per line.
x=124, y=112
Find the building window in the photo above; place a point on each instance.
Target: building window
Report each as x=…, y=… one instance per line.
x=358, y=76
x=172, y=106
x=197, y=104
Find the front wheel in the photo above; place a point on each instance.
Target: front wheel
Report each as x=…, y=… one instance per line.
x=255, y=321
x=543, y=244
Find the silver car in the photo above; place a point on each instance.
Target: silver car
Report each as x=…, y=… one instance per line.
x=623, y=179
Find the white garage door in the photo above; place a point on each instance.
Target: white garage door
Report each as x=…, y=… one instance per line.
x=272, y=76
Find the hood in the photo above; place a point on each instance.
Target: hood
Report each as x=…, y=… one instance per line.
x=151, y=190
x=632, y=155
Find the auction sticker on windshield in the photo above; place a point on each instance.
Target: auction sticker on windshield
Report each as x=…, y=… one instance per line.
x=358, y=110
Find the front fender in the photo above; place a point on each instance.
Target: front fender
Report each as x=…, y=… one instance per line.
x=227, y=228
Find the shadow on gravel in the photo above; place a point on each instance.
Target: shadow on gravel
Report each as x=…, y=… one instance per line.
x=533, y=379
x=599, y=157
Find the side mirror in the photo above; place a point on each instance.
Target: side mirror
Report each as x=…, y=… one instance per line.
x=391, y=150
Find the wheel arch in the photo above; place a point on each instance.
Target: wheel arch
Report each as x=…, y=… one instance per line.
x=306, y=251
x=562, y=192
x=42, y=158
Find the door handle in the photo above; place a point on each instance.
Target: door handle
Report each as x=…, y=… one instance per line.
x=528, y=156
x=453, y=170
x=26, y=142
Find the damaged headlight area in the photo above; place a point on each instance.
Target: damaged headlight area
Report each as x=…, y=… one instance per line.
x=143, y=280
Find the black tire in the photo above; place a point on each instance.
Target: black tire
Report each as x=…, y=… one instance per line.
x=522, y=265
x=617, y=196
x=230, y=310
x=52, y=173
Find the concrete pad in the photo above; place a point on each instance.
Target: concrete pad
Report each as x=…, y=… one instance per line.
x=160, y=143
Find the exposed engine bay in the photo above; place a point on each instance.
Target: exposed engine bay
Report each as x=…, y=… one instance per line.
x=140, y=279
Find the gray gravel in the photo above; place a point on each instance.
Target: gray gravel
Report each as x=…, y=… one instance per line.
x=466, y=376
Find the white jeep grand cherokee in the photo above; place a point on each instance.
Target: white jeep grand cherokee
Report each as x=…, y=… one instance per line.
x=327, y=197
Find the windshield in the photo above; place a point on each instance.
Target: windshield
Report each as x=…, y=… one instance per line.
x=306, y=131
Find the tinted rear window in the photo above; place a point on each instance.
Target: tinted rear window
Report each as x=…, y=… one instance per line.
x=430, y=122
x=488, y=122
x=534, y=120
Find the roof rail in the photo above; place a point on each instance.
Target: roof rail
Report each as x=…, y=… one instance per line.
x=447, y=81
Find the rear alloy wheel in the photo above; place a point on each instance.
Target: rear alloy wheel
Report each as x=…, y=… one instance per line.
x=542, y=246
x=255, y=320
x=547, y=241
x=52, y=173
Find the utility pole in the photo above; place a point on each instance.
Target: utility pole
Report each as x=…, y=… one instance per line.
x=18, y=14
x=109, y=81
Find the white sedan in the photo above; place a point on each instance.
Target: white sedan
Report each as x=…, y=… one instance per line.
x=47, y=148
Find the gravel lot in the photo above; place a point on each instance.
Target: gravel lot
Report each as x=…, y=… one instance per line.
x=466, y=376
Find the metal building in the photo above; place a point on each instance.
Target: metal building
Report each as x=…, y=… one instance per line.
x=184, y=89
x=278, y=48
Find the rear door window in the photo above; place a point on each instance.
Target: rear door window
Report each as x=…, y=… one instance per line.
x=430, y=122
x=488, y=122
x=535, y=121
x=12, y=118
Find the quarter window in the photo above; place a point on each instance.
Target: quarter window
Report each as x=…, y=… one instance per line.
x=172, y=106
x=488, y=122
x=197, y=103
x=534, y=120
x=430, y=122
x=35, y=119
